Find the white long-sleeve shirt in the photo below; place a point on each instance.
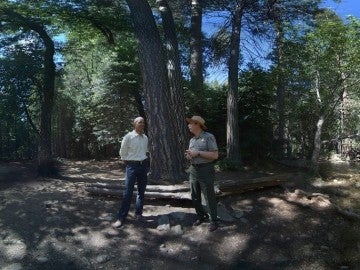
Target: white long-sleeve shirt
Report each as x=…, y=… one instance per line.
x=134, y=146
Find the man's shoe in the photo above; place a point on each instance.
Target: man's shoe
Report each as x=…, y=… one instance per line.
x=213, y=226
x=117, y=224
x=201, y=220
x=139, y=218
x=197, y=222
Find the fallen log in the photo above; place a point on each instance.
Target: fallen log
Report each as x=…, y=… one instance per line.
x=230, y=186
x=223, y=188
x=348, y=214
x=154, y=188
x=148, y=194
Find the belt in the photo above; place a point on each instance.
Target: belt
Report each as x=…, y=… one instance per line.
x=135, y=162
x=202, y=164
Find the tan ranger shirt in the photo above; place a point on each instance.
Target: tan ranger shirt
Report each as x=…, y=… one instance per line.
x=204, y=142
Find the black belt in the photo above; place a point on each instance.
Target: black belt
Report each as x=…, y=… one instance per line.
x=135, y=162
x=202, y=164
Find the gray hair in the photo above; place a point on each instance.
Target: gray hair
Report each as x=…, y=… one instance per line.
x=138, y=119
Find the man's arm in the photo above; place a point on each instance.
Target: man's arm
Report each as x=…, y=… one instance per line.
x=123, y=152
x=210, y=155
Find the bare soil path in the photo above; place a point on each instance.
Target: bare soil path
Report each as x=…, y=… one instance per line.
x=55, y=224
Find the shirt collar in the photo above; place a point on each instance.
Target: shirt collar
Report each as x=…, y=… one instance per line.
x=136, y=134
x=200, y=135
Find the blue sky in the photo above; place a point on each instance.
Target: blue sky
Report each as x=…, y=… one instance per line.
x=345, y=8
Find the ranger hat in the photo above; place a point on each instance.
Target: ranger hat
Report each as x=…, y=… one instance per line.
x=197, y=119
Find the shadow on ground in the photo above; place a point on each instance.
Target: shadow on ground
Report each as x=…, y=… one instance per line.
x=54, y=224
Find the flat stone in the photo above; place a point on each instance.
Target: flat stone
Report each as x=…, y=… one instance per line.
x=163, y=223
x=223, y=213
x=13, y=266
x=177, y=229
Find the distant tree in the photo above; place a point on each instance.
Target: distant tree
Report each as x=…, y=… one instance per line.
x=283, y=14
x=20, y=70
x=331, y=59
x=45, y=163
x=322, y=63
x=256, y=122
x=231, y=41
x=232, y=119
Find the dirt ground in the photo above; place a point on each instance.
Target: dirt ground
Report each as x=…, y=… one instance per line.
x=55, y=224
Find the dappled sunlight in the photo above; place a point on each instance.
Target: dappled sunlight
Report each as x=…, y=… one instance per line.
x=261, y=253
x=229, y=247
x=245, y=205
x=279, y=209
x=87, y=170
x=343, y=183
x=173, y=248
x=12, y=247
x=56, y=223
x=90, y=238
x=315, y=201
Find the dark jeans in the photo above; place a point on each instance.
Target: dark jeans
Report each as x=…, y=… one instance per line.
x=202, y=180
x=135, y=172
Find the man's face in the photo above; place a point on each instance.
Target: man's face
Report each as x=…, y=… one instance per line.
x=193, y=127
x=139, y=125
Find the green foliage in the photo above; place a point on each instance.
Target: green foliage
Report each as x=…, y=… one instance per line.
x=219, y=44
x=325, y=52
x=99, y=84
x=212, y=108
x=20, y=75
x=255, y=112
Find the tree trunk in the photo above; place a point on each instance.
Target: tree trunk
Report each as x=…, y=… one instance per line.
x=62, y=133
x=139, y=103
x=232, y=132
x=320, y=122
x=174, y=75
x=166, y=153
x=280, y=88
x=317, y=143
x=275, y=16
x=45, y=163
x=196, y=62
x=345, y=115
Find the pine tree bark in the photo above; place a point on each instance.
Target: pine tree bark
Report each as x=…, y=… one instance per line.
x=232, y=126
x=319, y=125
x=45, y=163
x=174, y=75
x=280, y=88
x=345, y=115
x=166, y=154
x=317, y=144
x=196, y=59
x=275, y=14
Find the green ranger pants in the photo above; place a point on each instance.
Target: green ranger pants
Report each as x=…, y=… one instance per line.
x=202, y=180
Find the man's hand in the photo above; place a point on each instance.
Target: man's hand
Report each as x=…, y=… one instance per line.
x=122, y=164
x=189, y=154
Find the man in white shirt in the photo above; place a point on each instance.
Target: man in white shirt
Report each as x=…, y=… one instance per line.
x=134, y=147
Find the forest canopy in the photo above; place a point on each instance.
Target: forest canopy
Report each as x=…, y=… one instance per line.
x=75, y=73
